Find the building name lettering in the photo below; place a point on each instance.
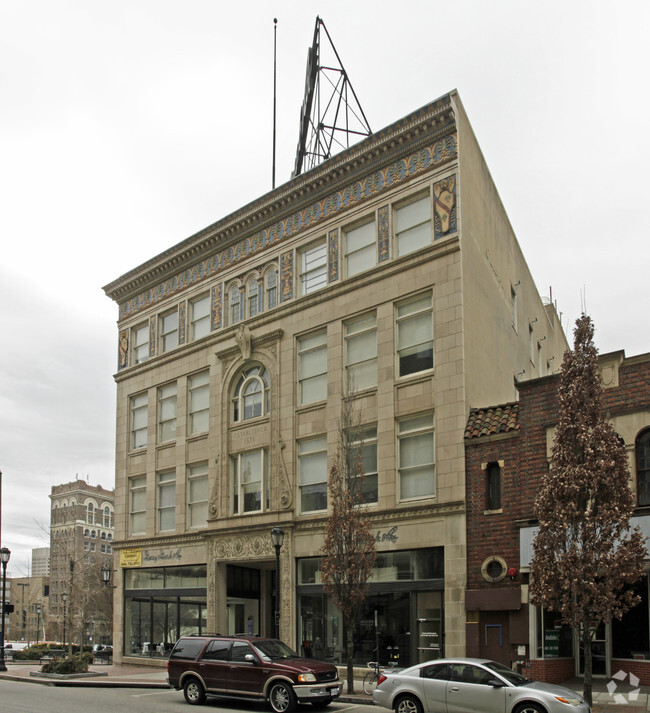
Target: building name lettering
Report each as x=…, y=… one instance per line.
x=389, y=536
x=163, y=556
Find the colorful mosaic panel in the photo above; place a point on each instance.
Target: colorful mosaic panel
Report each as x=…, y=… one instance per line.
x=123, y=355
x=286, y=276
x=427, y=158
x=182, y=321
x=152, y=335
x=444, y=206
x=333, y=255
x=216, y=306
x=383, y=233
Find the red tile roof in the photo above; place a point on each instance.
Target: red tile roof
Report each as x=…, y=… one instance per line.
x=491, y=420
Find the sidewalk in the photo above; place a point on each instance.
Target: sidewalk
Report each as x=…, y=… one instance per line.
x=622, y=699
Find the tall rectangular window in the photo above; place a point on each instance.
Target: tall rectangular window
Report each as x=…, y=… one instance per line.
x=167, y=500
x=253, y=297
x=361, y=351
x=364, y=456
x=139, y=409
x=413, y=225
x=140, y=343
x=312, y=474
x=198, y=403
x=138, y=505
x=493, y=486
x=169, y=331
x=313, y=268
x=360, y=248
x=271, y=282
x=200, y=317
x=250, y=481
x=167, y=412
x=416, y=457
x=197, y=495
x=415, y=335
x=312, y=367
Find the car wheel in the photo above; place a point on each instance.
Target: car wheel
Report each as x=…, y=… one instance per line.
x=530, y=708
x=408, y=704
x=194, y=692
x=282, y=699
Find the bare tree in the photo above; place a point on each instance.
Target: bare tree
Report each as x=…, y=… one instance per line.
x=349, y=548
x=586, y=554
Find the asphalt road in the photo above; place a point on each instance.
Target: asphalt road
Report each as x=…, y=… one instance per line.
x=22, y=697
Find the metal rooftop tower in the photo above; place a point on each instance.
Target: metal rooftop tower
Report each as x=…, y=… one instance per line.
x=331, y=118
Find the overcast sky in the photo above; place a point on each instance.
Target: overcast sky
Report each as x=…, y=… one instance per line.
x=127, y=126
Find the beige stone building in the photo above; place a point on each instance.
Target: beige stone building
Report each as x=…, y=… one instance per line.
x=394, y=264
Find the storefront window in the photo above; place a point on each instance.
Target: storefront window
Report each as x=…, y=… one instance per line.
x=554, y=639
x=157, y=613
x=402, y=614
x=631, y=635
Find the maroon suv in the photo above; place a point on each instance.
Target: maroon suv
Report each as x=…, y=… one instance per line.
x=250, y=668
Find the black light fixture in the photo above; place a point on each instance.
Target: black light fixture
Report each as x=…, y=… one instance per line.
x=277, y=540
x=64, y=599
x=5, y=553
x=106, y=576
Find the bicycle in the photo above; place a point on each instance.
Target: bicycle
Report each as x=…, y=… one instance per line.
x=371, y=679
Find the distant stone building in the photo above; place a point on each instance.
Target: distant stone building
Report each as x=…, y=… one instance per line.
x=508, y=449
x=82, y=525
x=30, y=597
x=391, y=266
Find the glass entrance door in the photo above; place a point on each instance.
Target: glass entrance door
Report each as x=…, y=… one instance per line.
x=599, y=655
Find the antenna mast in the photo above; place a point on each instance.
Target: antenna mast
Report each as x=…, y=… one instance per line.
x=331, y=118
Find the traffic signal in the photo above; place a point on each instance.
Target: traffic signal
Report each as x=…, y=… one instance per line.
x=9, y=608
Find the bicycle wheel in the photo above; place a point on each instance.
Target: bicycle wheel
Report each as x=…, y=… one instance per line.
x=370, y=682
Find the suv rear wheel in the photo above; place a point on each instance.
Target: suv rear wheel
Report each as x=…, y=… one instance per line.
x=282, y=699
x=194, y=692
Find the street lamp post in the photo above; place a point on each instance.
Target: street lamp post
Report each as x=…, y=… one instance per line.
x=38, y=621
x=277, y=539
x=5, y=553
x=64, y=599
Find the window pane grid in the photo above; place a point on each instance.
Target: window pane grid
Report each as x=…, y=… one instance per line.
x=416, y=457
x=314, y=268
x=312, y=466
x=312, y=368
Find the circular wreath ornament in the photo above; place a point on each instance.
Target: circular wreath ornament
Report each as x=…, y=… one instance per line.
x=494, y=569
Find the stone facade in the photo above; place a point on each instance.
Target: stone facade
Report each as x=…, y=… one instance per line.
x=393, y=261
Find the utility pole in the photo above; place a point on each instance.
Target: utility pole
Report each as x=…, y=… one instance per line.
x=23, y=616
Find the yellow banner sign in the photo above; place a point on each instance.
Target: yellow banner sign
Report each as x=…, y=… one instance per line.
x=130, y=558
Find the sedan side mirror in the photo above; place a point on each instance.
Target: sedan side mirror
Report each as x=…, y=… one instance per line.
x=496, y=683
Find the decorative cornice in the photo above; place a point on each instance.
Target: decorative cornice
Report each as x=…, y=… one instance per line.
x=158, y=542
x=393, y=155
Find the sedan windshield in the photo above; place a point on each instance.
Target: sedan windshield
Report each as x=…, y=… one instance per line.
x=275, y=649
x=516, y=679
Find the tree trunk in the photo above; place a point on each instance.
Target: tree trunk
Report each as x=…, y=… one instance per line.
x=349, y=645
x=586, y=647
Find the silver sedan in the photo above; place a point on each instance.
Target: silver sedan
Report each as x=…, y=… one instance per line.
x=472, y=686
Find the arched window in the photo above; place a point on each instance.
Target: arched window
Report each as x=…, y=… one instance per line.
x=107, y=517
x=251, y=394
x=252, y=295
x=90, y=514
x=271, y=286
x=643, y=467
x=235, y=305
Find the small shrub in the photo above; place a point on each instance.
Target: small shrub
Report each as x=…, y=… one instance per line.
x=72, y=664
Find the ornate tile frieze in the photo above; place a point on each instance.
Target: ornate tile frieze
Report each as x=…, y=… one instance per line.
x=427, y=158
